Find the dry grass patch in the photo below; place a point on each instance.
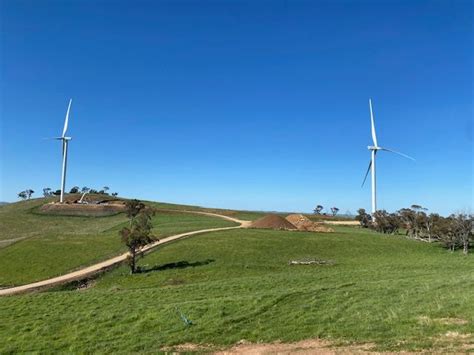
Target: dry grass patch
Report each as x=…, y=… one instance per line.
x=425, y=320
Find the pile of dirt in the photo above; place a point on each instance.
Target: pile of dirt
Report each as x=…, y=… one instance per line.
x=272, y=221
x=303, y=223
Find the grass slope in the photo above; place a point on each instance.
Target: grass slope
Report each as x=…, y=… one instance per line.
x=243, y=215
x=233, y=285
x=37, y=246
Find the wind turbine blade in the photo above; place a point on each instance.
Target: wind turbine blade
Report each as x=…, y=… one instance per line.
x=372, y=124
x=394, y=151
x=367, y=173
x=66, y=121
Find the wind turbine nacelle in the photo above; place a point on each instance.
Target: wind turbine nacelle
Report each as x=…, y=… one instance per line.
x=372, y=147
x=67, y=138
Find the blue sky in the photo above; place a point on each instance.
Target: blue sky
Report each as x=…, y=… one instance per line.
x=241, y=104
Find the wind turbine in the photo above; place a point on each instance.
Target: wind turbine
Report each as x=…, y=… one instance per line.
x=65, y=140
x=373, y=149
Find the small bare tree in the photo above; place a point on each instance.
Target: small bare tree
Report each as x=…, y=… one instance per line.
x=462, y=227
x=318, y=209
x=29, y=192
x=431, y=221
x=26, y=195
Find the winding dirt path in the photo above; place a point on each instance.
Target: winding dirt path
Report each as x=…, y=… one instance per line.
x=93, y=269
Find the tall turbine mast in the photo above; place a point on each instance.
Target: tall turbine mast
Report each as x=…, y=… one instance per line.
x=373, y=153
x=64, y=140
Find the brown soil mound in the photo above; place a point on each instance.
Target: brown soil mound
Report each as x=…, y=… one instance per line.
x=305, y=224
x=273, y=221
x=75, y=209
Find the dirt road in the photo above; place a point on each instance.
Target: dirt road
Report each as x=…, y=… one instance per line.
x=343, y=223
x=93, y=269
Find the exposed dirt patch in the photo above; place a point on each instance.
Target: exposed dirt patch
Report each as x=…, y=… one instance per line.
x=305, y=224
x=273, y=221
x=314, y=346
x=311, y=346
x=454, y=342
x=188, y=347
x=106, y=208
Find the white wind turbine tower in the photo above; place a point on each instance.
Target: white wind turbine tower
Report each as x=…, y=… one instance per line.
x=374, y=148
x=65, y=140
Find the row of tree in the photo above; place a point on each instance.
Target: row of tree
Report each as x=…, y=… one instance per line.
x=454, y=231
x=319, y=209
x=47, y=192
x=85, y=189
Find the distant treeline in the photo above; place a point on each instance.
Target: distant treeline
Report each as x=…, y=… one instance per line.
x=453, y=232
x=47, y=192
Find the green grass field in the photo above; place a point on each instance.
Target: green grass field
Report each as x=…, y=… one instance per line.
x=388, y=291
x=37, y=246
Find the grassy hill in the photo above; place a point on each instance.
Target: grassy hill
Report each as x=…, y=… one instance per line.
x=35, y=246
x=385, y=291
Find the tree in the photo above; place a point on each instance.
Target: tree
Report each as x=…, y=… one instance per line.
x=408, y=219
x=445, y=233
x=105, y=189
x=364, y=218
x=431, y=222
x=26, y=195
x=133, y=208
x=138, y=234
x=47, y=192
x=74, y=190
x=453, y=232
x=462, y=229
x=318, y=209
x=85, y=189
x=334, y=211
x=421, y=220
x=114, y=194
x=416, y=222
x=386, y=222
x=57, y=193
